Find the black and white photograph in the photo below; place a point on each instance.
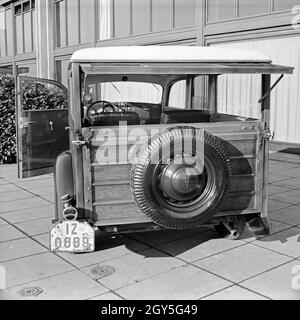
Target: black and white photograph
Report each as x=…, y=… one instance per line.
x=149, y=151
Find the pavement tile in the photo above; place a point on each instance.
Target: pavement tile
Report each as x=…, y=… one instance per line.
x=198, y=246
x=67, y=286
x=34, y=268
x=276, y=205
x=15, y=195
x=13, y=178
x=153, y=238
x=36, y=227
x=2, y=222
x=241, y=263
x=292, y=197
x=43, y=239
x=34, y=184
x=42, y=191
x=186, y=283
x=49, y=198
x=285, y=242
x=276, y=227
x=22, y=204
x=278, y=283
x=235, y=293
x=273, y=189
x=275, y=177
x=147, y=263
x=290, y=215
x=29, y=214
x=8, y=232
x=8, y=188
x=292, y=183
x=19, y=248
x=106, y=249
x=107, y=296
x=3, y=181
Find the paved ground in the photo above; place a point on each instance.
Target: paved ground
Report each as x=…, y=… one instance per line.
x=161, y=265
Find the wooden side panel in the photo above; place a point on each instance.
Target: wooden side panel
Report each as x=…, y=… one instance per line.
x=112, y=192
x=111, y=195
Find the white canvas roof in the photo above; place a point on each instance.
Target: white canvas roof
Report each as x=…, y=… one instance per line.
x=169, y=54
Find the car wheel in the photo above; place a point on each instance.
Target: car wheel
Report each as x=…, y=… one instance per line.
x=180, y=177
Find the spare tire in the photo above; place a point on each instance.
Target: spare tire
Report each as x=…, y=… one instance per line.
x=180, y=176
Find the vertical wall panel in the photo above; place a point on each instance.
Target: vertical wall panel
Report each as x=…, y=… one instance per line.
x=27, y=32
x=34, y=30
x=73, y=22
x=19, y=34
x=2, y=34
x=285, y=99
x=9, y=31
x=87, y=20
x=253, y=7
x=220, y=10
x=105, y=18
x=161, y=15
x=61, y=24
x=122, y=18
x=140, y=16
x=184, y=13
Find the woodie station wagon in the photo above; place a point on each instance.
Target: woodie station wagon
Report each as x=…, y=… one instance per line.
x=138, y=142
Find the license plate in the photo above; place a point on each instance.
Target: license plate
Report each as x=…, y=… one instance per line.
x=72, y=236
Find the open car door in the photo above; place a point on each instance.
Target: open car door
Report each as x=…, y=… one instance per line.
x=42, y=124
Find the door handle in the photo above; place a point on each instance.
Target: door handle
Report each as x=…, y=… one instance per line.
x=51, y=125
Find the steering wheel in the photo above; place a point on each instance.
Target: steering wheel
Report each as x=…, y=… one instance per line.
x=94, y=111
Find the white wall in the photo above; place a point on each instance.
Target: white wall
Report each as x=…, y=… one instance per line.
x=285, y=101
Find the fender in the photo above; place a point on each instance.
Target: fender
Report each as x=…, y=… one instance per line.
x=63, y=181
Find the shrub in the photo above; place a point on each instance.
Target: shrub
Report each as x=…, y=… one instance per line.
x=7, y=123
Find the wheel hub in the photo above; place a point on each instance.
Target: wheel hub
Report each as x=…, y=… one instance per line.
x=183, y=179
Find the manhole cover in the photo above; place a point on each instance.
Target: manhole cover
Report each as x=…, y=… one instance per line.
x=31, y=291
x=100, y=272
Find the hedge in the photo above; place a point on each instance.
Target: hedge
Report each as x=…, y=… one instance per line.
x=35, y=96
x=7, y=116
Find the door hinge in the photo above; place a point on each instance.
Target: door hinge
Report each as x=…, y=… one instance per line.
x=79, y=142
x=269, y=135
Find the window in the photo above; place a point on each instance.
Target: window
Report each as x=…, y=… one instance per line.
x=177, y=95
x=127, y=92
x=239, y=94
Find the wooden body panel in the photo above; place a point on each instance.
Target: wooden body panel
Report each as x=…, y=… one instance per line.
x=109, y=190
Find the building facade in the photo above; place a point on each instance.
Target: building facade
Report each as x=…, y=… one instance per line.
x=37, y=37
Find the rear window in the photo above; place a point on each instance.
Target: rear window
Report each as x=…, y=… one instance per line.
x=123, y=92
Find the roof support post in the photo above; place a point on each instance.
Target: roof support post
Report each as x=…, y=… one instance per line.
x=265, y=104
x=213, y=93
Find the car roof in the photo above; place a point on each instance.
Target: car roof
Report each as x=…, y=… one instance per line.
x=144, y=54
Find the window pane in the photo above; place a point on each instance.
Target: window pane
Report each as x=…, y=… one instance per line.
x=140, y=16
x=2, y=34
x=28, y=31
x=177, y=95
x=239, y=94
x=161, y=15
x=86, y=20
x=122, y=18
x=253, y=7
x=285, y=4
x=220, y=10
x=184, y=13
x=131, y=92
x=60, y=25
x=105, y=19
x=73, y=27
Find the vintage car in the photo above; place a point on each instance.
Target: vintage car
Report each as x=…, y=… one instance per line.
x=140, y=141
